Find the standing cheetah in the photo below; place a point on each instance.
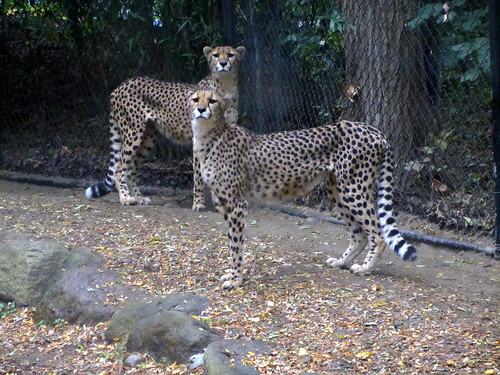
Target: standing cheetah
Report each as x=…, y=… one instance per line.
x=140, y=107
x=355, y=158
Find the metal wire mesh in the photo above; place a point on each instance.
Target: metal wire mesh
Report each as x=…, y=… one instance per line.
x=419, y=70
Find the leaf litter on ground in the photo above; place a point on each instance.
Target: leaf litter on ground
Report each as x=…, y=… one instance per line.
x=320, y=320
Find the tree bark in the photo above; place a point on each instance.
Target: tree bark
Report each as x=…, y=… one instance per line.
x=229, y=13
x=384, y=60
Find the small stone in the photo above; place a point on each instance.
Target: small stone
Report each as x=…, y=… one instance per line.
x=134, y=360
x=151, y=267
x=196, y=360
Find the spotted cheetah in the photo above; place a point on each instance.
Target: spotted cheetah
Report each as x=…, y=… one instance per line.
x=354, y=158
x=140, y=107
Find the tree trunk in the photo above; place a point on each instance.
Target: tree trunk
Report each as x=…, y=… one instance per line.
x=261, y=94
x=384, y=60
x=229, y=13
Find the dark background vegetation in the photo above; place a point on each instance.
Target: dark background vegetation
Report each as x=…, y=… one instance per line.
x=419, y=72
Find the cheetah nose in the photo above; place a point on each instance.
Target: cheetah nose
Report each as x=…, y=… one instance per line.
x=201, y=110
x=223, y=63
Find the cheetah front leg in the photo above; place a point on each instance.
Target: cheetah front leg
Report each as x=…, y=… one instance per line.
x=198, y=188
x=235, y=216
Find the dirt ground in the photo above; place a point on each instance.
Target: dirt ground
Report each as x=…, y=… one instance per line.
x=437, y=315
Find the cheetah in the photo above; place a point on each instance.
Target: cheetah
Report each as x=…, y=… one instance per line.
x=141, y=106
x=355, y=159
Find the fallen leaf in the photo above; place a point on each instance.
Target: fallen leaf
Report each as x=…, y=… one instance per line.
x=302, y=352
x=439, y=186
x=364, y=355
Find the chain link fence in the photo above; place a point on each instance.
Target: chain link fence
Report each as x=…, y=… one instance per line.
x=419, y=70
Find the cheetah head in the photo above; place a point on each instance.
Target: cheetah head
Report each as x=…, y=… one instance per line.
x=224, y=58
x=205, y=104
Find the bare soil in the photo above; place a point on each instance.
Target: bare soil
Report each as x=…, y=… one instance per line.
x=438, y=315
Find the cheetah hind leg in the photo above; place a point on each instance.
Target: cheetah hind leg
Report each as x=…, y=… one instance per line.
x=145, y=148
x=365, y=223
x=135, y=197
x=356, y=245
x=123, y=188
x=217, y=204
x=371, y=258
x=358, y=236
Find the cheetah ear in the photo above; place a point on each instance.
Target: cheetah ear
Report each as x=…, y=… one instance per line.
x=241, y=50
x=207, y=50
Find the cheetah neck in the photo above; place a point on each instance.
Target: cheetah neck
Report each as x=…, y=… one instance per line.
x=204, y=131
x=227, y=82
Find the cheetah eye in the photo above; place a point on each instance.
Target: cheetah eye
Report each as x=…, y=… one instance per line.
x=230, y=54
x=212, y=101
x=216, y=55
x=195, y=100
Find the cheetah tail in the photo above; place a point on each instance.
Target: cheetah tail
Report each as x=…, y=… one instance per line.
x=390, y=232
x=108, y=184
x=100, y=189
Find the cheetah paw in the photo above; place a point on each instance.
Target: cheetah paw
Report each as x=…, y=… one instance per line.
x=359, y=270
x=334, y=262
x=143, y=201
x=199, y=207
x=132, y=201
x=128, y=201
x=231, y=281
x=219, y=209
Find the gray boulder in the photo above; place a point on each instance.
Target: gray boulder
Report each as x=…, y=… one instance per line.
x=163, y=328
x=224, y=357
x=134, y=360
x=63, y=283
x=85, y=295
x=27, y=267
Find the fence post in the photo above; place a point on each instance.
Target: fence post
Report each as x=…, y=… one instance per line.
x=494, y=21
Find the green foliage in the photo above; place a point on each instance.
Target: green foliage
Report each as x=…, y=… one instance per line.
x=122, y=38
x=7, y=308
x=59, y=323
x=314, y=33
x=465, y=51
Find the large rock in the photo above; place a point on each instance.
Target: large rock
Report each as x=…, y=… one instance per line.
x=85, y=295
x=224, y=357
x=163, y=328
x=63, y=283
x=26, y=268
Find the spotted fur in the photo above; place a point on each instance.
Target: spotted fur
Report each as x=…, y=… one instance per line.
x=140, y=107
x=354, y=158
